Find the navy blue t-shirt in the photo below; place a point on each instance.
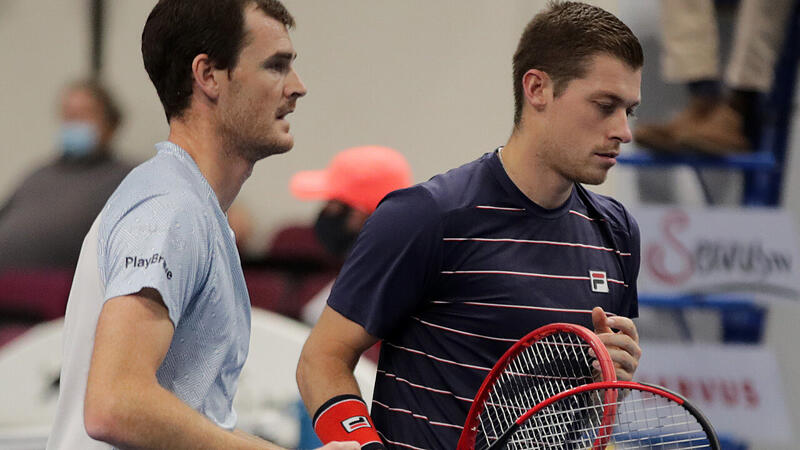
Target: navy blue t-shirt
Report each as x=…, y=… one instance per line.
x=451, y=272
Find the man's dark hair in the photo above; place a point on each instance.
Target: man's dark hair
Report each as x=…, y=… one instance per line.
x=111, y=110
x=178, y=30
x=562, y=39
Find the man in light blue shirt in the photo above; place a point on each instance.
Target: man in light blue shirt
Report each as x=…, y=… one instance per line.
x=158, y=321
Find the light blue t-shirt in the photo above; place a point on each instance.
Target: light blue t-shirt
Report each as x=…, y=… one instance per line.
x=163, y=228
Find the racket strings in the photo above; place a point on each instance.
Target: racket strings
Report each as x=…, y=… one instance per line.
x=553, y=364
x=563, y=426
x=641, y=420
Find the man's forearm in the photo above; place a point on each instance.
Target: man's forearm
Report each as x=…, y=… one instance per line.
x=326, y=381
x=256, y=440
x=321, y=378
x=152, y=417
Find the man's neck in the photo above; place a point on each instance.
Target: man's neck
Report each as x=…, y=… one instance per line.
x=224, y=169
x=522, y=161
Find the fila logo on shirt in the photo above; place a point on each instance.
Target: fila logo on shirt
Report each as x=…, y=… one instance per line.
x=353, y=423
x=599, y=281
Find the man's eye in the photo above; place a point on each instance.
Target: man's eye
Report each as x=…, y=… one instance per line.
x=606, y=108
x=278, y=67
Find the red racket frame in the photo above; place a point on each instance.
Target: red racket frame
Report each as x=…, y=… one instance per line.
x=611, y=410
x=607, y=372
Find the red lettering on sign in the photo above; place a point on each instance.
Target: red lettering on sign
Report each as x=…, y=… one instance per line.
x=750, y=393
x=707, y=387
x=730, y=392
x=685, y=387
x=655, y=254
x=712, y=391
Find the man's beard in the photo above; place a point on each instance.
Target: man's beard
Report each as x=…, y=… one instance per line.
x=239, y=130
x=250, y=147
x=574, y=170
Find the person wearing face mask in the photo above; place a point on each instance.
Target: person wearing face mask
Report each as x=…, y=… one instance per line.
x=43, y=222
x=352, y=185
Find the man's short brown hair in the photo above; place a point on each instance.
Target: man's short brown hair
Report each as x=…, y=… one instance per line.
x=562, y=39
x=178, y=30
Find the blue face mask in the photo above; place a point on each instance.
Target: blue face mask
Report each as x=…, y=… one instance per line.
x=78, y=139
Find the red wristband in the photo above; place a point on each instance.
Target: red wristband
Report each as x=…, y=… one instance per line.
x=345, y=418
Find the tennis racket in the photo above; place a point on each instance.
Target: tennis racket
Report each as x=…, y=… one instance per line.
x=643, y=416
x=549, y=360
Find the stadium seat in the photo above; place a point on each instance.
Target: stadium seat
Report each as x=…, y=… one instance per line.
x=34, y=294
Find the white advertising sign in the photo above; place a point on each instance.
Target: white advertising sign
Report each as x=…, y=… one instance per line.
x=737, y=387
x=718, y=250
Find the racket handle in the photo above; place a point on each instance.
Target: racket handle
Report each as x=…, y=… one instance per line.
x=500, y=443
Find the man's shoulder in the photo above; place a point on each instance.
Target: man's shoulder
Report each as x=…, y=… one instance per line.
x=611, y=209
x=162, y=183
x=424, y=205
x=462, y=186
x=163, y=174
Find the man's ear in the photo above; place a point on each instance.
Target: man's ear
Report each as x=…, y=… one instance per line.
x=205, y=76
x=537, y=87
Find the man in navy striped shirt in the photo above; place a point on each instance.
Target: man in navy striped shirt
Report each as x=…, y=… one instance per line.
x=449, y=273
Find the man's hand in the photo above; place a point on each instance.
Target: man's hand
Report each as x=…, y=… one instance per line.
x=349, y=445
x=623, y=345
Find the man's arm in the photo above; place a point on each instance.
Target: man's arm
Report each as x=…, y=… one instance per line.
x=623, y=345
x=125, y=405
x=326, y=381
x=328, y=358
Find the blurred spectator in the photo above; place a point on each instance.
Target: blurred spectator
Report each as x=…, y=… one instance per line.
x=44, y=221
x=352, y=185
x=717, y=121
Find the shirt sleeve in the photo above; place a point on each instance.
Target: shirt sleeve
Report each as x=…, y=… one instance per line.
x=393, y=263
x=631, y=300
x=159, y=243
